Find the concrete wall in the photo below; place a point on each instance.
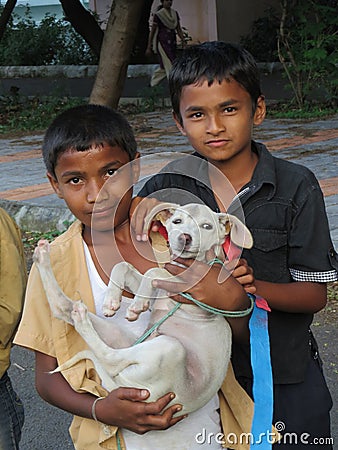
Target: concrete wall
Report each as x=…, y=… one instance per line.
x=77, y=81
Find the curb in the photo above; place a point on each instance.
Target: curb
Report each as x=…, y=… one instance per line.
x=31, y=217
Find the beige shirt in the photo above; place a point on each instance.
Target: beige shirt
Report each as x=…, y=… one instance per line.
x=40, y=331
x=13, y=277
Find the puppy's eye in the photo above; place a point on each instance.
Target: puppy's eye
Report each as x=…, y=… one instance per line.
x=177, y=221
x=207, y=226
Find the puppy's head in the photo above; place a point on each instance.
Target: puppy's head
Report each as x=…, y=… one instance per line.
x=194, y=229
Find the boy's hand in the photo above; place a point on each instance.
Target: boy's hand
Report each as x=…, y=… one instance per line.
x=126, y=408
x=244, y=275
x=212, y=285
x=139, y=209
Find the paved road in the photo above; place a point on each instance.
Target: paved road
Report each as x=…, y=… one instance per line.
x=24, y=191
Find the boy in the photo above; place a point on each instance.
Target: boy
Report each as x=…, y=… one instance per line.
x=13, y=277
x=216, y=99
x=91, y=160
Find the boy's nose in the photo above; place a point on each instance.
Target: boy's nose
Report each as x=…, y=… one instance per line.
x=96, y=192
x=215, y=125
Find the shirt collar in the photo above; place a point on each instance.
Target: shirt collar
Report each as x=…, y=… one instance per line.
x=265, y=172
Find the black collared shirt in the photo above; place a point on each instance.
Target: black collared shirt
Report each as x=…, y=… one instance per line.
x=284, y=209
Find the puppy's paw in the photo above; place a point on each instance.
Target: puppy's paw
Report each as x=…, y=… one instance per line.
x=41, y=252
x=136, y=308
x=79, y=312
x=109, y=308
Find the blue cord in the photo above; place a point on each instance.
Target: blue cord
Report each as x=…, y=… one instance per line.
x=262, y=380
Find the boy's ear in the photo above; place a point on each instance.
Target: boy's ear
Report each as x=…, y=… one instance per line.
x=178, y=123
x=260, y=111
x=55, y=185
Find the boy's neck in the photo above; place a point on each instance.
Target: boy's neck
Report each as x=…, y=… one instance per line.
x=238, y=171
x=95, y=237
x=111, y=247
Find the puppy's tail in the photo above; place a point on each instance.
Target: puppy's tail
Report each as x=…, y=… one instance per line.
x=106, y=380
x=85, y=354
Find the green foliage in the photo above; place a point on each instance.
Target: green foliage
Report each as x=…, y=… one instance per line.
x=51, y=41
x=152, y=98
x=20, y=113
x=308, y=42
x=310, y=110
x=261, y=42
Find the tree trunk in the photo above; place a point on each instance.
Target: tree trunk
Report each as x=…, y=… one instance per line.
x=5, y=16
x=83, y=23
x=142, y=34
x=116, y=48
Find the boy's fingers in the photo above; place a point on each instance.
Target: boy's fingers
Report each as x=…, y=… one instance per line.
x=133, y=394
x=166, y=420
x=141, y=207
x=160, y=404
x=169, y=286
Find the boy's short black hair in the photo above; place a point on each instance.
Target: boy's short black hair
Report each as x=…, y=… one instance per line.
x=214, y=61
x=81, y=127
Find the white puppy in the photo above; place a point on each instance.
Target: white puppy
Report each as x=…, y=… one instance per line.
x=189, y=352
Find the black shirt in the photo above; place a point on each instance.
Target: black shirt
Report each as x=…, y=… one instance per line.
x=284, y=209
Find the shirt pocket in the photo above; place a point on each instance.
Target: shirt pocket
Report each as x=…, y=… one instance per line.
x=269, y=255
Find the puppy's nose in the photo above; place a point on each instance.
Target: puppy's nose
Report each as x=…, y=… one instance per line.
x=184, y=239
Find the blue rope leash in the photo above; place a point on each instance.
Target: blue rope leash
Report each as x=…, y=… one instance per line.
x=262, y=380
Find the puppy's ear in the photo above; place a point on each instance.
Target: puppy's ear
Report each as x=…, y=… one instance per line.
x=162, y=212
x=239, y=233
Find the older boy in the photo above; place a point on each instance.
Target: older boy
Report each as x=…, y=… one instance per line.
x=217, y=100
x=90, y=155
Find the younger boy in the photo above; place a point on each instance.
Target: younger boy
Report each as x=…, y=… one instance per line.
x=217, y=100
x=90, y=154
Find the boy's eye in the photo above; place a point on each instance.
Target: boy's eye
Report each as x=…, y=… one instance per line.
x=75, y=180
x=110, y=172
x=229, y=109
x=196, y=115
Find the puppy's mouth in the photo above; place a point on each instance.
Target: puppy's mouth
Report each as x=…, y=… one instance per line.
x=185, y=251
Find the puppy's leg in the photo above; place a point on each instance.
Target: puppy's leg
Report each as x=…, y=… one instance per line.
x=146, y=292
x=112, y=360
x=123, y=276
x=60, y=305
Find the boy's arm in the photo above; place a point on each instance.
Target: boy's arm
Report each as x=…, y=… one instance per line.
x=123, y=407
x=297, y=297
